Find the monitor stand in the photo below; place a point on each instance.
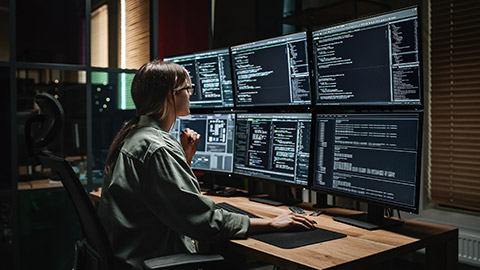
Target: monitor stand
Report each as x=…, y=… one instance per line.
x=226, y=192
x=283, y=196
x=266, y=200
x=372, y=220
x=322, y=201
x=221, y=185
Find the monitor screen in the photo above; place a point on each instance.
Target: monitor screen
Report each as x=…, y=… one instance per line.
x=370, y=157
x=374, y=61
x=211, y=77
x=272, y=72
x=215, y=148
x=273, y=146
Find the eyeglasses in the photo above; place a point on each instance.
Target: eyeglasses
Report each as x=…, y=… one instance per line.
x=189, y=88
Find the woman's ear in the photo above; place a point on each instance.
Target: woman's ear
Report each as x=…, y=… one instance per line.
x=171, y=97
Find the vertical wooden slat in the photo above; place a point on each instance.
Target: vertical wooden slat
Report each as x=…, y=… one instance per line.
x=99, y=36
x=455, y=103
x=137, y=33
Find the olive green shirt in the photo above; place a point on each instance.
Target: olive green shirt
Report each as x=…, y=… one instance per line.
x=152, y=206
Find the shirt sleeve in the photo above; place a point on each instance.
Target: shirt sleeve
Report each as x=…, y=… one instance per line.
x=171, y=193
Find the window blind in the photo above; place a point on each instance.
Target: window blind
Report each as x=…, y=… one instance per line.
x=137, y=33
x=455, y=103
x=99, y=37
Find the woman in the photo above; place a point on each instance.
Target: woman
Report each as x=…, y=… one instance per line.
x=151, y=203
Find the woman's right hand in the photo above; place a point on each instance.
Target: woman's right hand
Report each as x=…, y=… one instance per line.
x=285, y=221
x=189, y=140
x=290, y=220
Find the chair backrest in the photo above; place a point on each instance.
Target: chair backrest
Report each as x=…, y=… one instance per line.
x=94, y=251
x=50, y=122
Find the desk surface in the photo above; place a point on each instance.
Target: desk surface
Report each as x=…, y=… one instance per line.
x=37, y=184
x=359, y=250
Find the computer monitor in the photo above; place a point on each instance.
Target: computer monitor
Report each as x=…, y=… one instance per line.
x=369, y=157
x=211, y=76
x=272, y=72
x=215, y=148
x=273, y=146
x=374, y=61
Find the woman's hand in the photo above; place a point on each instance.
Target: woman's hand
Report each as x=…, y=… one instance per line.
x=290, y=220
x=189, y=140
x=282, y=222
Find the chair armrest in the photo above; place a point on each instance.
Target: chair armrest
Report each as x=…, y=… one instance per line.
x=184, y=260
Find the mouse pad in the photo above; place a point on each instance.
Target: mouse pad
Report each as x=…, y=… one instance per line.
x=299, y=238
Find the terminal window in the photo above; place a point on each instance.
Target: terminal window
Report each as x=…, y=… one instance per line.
x=273, y=146
x=211, y=76
x=371, y=156
x=215, y=147
x=373, y=61
x=272, y=72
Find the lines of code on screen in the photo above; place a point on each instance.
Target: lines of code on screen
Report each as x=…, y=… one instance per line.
x=272, y=72
x=373, y=61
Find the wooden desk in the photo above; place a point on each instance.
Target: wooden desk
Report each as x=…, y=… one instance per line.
x=361, y=248
x=38, y=184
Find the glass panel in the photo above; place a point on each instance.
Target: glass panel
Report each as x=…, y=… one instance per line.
x=6, y=116
x=70, y=89
x=6, y=235
x=4, y=30
x=112, y=107
x=48, y=230
x=125, y=101
x=51, y=33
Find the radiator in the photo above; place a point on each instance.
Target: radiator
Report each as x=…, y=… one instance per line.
x=469, y=248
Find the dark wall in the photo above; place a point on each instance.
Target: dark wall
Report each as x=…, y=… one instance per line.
x=238, y=22
x=51, y=32
x=183, y=26
x=235, y=22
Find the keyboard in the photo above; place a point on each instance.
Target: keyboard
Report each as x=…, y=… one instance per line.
x=230, y=208
x=297, y=210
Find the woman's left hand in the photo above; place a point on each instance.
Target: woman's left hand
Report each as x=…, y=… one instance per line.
x=189, y=140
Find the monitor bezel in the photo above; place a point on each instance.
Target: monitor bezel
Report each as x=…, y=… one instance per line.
x=274, y=106
x=380, y=106
x=207, y=52
x=210, y=171
x=412, y=209
x=270, y=179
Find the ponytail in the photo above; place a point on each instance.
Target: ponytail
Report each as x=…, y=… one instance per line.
x=118, y=143
x=152, y=83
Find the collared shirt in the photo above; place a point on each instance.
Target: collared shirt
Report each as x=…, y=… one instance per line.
x=152, y=206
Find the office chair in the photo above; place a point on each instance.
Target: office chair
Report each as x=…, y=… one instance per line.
x=93, y=252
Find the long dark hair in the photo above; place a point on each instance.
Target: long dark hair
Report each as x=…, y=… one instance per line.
x=151, y=85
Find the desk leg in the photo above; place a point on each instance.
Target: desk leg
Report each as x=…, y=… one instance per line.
x=443, y=256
